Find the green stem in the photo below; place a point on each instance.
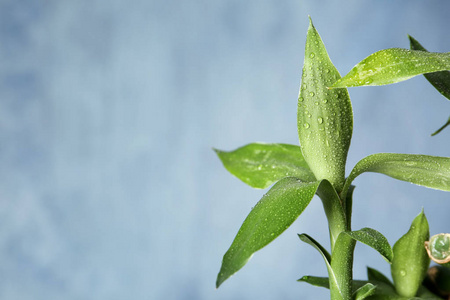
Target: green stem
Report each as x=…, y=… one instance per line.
x=342, y=255
x=342, y=265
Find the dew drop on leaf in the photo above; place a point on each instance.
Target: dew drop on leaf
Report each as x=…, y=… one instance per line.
x=311, y=94
x=312, y=55
x=306, y=125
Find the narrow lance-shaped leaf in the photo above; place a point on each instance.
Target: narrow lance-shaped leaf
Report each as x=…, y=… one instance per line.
x=365, y=291
x=440, y=80
x=272, y=215
x=374, y=239
x=324, y=117
x=393, y=65
x=260, y=165
x=333, y=281
x=442, y=127
x=411, y=260
x=425, y=170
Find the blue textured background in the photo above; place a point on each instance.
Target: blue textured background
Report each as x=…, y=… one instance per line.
x=108, y=112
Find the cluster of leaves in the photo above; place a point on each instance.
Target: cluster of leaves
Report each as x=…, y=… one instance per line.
x=325, y=124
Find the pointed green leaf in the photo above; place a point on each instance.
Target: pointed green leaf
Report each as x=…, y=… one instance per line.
x=429, y=171
x=374, y=239
x=272, y=215
x=393, y=65
x=324, y=117
x=375, y=275
x=383, y=291
x=442, y=128
x=440, y=80
x=324, y=282
x=326, y=257
x=411, y=261
x=260, y=165
x=316, y=281
x=365, y=291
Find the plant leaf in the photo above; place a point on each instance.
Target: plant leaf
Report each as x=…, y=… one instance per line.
x=272, y=215
x=326, y=257
x=442, y=128
x=393, y=65
x=429, y=171
x=316, y=281
x=365, y=291
x=411, y=260
x=375, y=275
x=382, y=291
x=324, y=117
x=260, y=165
x=440, y=80
x=374, y=239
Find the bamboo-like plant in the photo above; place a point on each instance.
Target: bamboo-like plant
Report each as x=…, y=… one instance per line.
x=325, y=124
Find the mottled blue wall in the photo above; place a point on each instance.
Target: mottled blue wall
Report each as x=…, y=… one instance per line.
x=108, y=113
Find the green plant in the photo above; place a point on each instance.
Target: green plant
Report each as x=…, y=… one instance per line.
x=325, y=124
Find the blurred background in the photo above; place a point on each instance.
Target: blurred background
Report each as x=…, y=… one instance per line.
x=109, y=188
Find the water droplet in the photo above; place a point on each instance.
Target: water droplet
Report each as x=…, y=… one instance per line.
x=325, y=101
x=306, y=125
x=312, y=55
x=311, y=94
x=368, y=81
x=327, y=70
x=272, y=234
x=402, y=273
x=316, y=103
x=320, y=120
x=300, y=99
x=260, y=167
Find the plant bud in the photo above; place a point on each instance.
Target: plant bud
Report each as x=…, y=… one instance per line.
x=411, y=260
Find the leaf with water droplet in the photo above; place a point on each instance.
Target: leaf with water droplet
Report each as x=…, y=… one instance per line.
x=260, y=165
x=411, y=260
x=374, y=239
x=281, y=206
x=393, y=65
x=325, y=152
x=440, y=80
x=429, y=171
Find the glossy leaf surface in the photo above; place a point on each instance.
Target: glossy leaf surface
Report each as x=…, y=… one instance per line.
x=393, y=65
x=374, y=239
x=324, y=117
x=272, y=215
x=440, y=80
x=365, y=291
x=260, y=165
x=425, y=170
x=326, y=257
x=411, y=261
